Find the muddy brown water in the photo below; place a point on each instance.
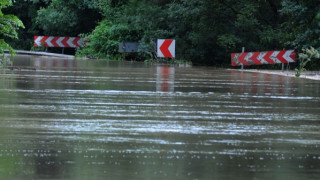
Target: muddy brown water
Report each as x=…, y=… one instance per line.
x=76, y=119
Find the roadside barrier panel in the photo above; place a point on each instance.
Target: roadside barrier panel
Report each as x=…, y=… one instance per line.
x=259, y=58
x=56, y=41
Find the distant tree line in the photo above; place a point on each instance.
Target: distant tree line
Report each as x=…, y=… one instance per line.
x=206, y=31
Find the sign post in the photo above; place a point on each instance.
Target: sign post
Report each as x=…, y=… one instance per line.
x=242, y=64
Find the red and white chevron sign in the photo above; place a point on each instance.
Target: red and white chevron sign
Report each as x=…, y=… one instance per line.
x=259, y=58
x=55, y=41
x=166, y=48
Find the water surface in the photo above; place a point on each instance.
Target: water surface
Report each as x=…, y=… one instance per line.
x=75, y=119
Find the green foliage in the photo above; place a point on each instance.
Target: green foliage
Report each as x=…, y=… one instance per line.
x=56, y=20
x=104, y=40
x=228, y=41
x=148, y=20
x=53, y=18
x=8, y=29
x=308, y=55
x=206, y=31
x=67, y=18
x=301, y=26
x=26, y=11
x=179, y=62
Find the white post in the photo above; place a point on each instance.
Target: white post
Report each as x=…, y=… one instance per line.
x=242, y=64
x=282, y=68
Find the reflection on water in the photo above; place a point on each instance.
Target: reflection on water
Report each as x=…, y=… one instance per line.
x=259, y=83
x=73, y=119
x=51, y=63
x=165, y=79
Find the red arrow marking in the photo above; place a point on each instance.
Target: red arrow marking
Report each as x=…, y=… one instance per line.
x=267, y=57
x=165, y=48
x=280, y=57
x=75, y=41
x=35, y=44
x=233, y=55
x=232, y=62
x=54, y=42
x=242, y=60
x=64, y=42
x=293, y=55
x=254, y=58
x=43, y=41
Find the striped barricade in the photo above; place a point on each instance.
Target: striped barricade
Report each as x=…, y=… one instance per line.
x=56, y=41
x=259, y=58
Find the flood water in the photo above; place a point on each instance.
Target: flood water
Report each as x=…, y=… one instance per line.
x=76, y=119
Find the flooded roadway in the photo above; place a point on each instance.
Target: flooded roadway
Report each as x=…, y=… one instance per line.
x=73, y=119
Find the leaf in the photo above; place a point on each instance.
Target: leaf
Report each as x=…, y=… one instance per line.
x=9, y=24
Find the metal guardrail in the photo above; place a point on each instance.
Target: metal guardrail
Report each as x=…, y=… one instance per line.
x=37, y=53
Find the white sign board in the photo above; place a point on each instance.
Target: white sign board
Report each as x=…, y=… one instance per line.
x=166, y=48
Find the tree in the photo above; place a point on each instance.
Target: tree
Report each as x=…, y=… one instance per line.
x=206, y=31
x=8, y=27
x=301, y=25
x=104, y=40
x=26, y=11
x=53, y=18
x=67, y=18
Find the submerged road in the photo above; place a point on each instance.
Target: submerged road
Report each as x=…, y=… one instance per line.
x=75, y=119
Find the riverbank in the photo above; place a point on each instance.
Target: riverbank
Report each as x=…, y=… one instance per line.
x=313, y=75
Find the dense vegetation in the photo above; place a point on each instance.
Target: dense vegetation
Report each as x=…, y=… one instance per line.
x=206, y=31
x=8, y=26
